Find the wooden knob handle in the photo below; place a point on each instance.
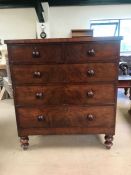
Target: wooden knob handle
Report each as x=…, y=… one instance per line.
x=40, y=118
x=91, y=52
x=90, y=93
x=90, y=72
x=37, y=74
x=39, y=95
x=35, y=54
x=90, y=117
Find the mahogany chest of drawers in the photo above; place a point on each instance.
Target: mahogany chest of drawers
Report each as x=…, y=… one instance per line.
x=65, y=86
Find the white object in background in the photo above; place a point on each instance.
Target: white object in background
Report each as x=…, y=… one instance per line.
x=3, y=50
x=43, y=30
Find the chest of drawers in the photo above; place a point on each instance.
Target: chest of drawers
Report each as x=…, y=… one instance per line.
x=65, y=86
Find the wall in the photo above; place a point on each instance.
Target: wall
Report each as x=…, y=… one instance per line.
x=63, y=19
x=21, y=23
x=18, y=23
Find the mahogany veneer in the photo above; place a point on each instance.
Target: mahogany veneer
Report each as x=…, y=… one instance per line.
x=65, y=86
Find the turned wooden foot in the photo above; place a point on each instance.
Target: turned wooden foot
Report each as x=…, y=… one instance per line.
x=108, y=141
x=24, y=142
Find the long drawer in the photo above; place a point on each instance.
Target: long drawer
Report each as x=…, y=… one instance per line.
x=66, y=53
x=65, y=94
x=65, y=73
x=63, y=117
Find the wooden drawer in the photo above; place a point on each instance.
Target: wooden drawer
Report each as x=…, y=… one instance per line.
x=37, y=54
x=93, y=51
x=64, y=73
x=65, y=94
x=66, y=53
x=64, y=117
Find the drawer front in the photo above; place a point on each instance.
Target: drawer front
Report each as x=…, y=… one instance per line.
x=36, y=54
x=65, y=94
x=64, y=117
x=64, y=53
x=64, y=73
x=81, y=53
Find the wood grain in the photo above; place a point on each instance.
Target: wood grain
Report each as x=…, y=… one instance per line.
x=66, y=94
x=66, y=116
x=71, y=73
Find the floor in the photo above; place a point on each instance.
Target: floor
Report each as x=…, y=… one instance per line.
x=65, y=155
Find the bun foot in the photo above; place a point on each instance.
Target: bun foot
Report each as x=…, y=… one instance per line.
x=108, y=141
x=24, y=142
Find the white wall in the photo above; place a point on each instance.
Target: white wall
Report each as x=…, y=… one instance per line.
x=21, y=22
x=18, y=23
x=63, y=19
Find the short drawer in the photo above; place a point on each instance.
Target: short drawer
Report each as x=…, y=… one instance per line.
x=64, y=117
x=92, y=51
x=65, y=94
x=64, y=73
x=36, y=54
